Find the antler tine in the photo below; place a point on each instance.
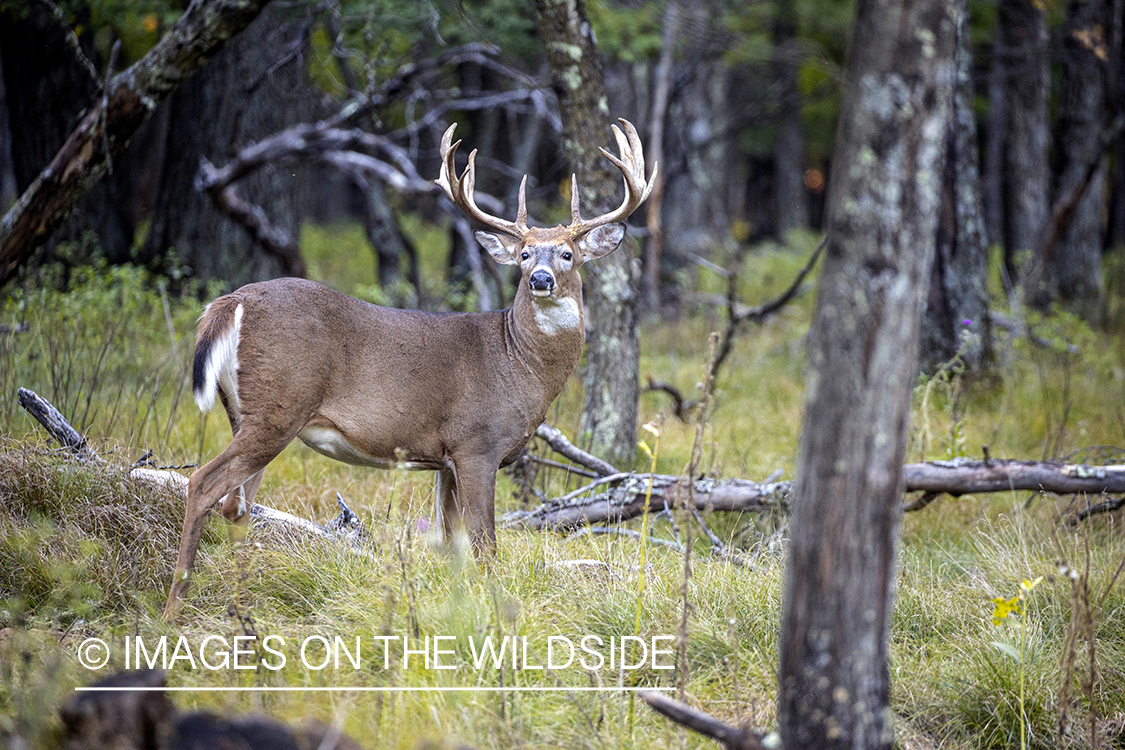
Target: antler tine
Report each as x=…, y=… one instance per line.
x=460, y=189
x=521, y=209
x=637, y=188
x=575, y=215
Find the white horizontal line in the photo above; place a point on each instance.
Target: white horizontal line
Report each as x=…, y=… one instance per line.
x=288, y=689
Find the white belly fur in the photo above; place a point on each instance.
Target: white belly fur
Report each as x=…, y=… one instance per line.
x=332, y=443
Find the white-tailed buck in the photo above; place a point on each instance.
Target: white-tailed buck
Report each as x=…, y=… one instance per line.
x=457, y=393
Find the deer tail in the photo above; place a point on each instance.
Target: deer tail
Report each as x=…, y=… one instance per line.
x=215, y=367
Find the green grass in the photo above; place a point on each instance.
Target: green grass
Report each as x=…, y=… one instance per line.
x=84, y=552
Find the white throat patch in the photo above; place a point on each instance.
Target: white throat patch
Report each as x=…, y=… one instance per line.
x=556, y=315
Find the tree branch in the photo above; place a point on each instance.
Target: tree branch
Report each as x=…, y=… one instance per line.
x=564, y=447
x=129, y=101
x=1063, y=209
x=760, y=312
x=703, y=723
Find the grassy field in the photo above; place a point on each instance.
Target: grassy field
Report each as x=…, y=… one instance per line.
x=86, y=552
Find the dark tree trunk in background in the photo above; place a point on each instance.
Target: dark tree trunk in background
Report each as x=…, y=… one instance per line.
x=8, y=189
x=1115, y=99
x=391, y=246
x=254, y=87
x=884, y=202
x=1074, y=266
x=48, y=90
x=957, y=304
x=609, y=417
x=789, y=155
x=701, y=168
x=996, y=124
x=661, y=91
x=1022, y=29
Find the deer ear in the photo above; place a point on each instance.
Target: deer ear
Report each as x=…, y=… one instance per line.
x=602, y=241
x=501, y=247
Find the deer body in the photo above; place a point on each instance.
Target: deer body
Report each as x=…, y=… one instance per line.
x=392, y=386
x=458, y=393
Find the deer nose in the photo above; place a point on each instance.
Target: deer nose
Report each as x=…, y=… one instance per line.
x=541, y=281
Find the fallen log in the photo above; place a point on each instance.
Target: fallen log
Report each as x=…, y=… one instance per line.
x=627, y=500
x=965, y=477
x=621, y=495
x=56, y=424
x=346, y=527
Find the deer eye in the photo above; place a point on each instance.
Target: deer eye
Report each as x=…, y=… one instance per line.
x=525, y=256
x=567, y=256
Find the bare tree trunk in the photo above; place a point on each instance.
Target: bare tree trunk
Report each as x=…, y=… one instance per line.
x=105, y=130
x=701, y=153
x=609, y=417
x=992, y=181
x=789, y=155
x=1022, y=29
x=252, y=89
x=1115, y=96
x=390, y=246
x=884, y=202
x=1074, y=267
x=661, y=90
x=957, y=306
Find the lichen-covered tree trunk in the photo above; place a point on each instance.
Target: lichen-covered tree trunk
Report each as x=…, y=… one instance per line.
x=609, y=417
x=702, y=167
x=1022, y=27
x=884, y=202
x=251, y=89
x=956, y=316
x=1074, y=266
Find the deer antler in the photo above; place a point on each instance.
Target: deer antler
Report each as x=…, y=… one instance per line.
x=460, y=190
x=632, y=166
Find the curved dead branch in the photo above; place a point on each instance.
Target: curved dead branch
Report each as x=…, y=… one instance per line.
x=127, y=102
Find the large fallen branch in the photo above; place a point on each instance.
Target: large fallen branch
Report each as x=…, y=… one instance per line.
x=733, y=738
x=345, y=527
x=627, y=500
x=128, y=101
x=966, y=477
x=620, y=496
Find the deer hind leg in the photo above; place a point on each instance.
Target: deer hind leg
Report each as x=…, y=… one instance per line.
x=447, y=509
x=240, y=463
x=236, y=506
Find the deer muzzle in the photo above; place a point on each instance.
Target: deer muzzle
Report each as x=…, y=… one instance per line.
x=541, y=281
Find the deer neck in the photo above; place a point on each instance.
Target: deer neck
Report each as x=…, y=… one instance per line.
x=548, y=333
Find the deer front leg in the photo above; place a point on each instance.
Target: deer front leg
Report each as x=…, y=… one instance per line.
x=476, y=496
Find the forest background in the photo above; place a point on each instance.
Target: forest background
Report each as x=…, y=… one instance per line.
x=739, y=102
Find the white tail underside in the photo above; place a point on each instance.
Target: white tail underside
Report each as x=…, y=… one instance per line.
x=221, y=370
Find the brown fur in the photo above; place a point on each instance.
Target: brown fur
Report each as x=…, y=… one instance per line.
x=459, y=393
